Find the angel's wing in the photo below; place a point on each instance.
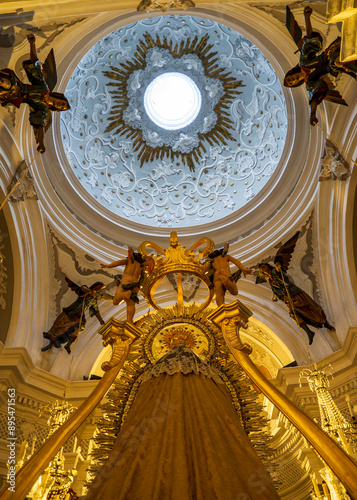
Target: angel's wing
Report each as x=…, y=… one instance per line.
x=285, y=251
x=50, y=71
x=73, y=286
x=293, y=27
x=333, y=95
x=236, y=275
x=336, y=97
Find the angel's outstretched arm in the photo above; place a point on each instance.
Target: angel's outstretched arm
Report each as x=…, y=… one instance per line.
x=313, y=108
x=33, y=52
x=240, y=265
x=122, y=262
x=307, y=16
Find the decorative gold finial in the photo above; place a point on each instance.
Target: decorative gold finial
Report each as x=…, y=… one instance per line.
x=334, y=424
x=332, y=420
x=59, y=413
x=55, y=481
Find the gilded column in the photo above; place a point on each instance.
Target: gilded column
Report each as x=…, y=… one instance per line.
x=119, y=335
x=229, y=318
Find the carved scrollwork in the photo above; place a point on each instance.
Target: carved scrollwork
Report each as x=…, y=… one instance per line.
x=230, y=318
x=230, y=330
x=120, y=347
x=234, y=341
x=119, y=335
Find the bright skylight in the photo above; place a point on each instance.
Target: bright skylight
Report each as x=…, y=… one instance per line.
x=172, y=100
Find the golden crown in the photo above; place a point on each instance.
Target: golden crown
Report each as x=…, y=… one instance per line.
x=177, y=260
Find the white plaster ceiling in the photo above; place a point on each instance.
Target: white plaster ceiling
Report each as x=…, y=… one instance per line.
x=165, y=193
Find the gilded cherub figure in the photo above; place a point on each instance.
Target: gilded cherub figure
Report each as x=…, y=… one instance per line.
x=130, y=282
x=38, y=94
x=302, y=308
x=220, y=274
x=72, y=319
x=315, y=66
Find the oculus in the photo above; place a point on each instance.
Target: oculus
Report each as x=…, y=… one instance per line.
x=143, y=77
x=172, y=100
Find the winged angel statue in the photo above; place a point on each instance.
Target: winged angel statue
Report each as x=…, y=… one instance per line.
x=302, y=308
x=315, y=65
x=38, y=94
x=72, y=319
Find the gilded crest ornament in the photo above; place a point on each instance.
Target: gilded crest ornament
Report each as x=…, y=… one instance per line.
x=164, y=5
x=179, y=336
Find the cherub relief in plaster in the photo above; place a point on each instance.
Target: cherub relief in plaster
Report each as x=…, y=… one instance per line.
x=72, y=319
x=38, y=94
x=302, y=308
x=315, y=66
x=130, y=282
x=220, y=274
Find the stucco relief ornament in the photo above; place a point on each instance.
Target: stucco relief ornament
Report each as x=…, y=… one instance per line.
x=193, y=60
x=164, y=5
x=189, y=283
x=333, y=166
x=164, y=193
x=26, y=189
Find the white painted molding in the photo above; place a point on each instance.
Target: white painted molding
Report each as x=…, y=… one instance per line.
x=335, y=226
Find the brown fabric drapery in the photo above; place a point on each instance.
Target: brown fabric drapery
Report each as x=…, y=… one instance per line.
x=182, y=440
x=306, y=310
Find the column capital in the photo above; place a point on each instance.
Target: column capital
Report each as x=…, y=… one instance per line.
x=235, y=310
x=229, y=318
x=119, y=335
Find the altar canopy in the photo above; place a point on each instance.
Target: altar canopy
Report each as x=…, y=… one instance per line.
x=182, y=440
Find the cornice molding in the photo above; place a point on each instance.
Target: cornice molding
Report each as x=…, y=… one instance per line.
x=35, y=386
x=343, y=361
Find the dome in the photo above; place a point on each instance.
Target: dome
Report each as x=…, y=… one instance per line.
x=206, y=163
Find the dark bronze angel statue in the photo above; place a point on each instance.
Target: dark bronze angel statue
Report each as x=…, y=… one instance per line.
x=315, y=65
x=72, y=319
x=302, y=308
x=38, y=94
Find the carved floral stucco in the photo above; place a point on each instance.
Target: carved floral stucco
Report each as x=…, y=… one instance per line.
x=165, y=193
